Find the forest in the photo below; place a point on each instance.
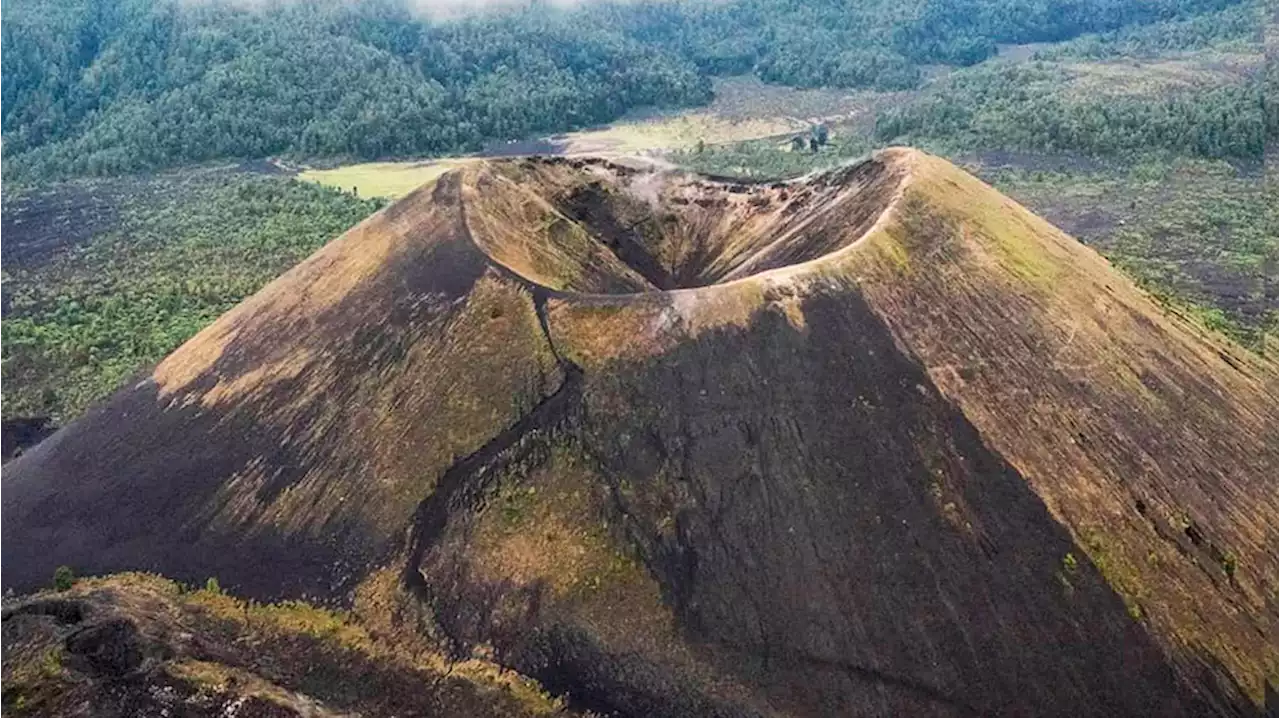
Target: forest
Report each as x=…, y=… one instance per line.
x=99, y=87
x=178, y=253
x=1025, y=107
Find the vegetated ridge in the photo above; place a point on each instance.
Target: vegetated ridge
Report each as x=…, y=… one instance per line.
x=134, y=644
x=876, y=441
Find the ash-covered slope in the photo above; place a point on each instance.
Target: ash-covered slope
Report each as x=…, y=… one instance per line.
x=877, y=442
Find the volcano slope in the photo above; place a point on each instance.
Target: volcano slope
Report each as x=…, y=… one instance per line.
x=875, y=442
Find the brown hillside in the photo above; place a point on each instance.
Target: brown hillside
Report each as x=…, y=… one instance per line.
x=876, y=442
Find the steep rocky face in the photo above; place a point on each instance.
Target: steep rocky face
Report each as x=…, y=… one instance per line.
x=875, y=442
x=837, y=541
x=285, y=447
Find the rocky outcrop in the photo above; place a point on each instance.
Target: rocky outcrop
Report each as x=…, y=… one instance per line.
x=139, y=645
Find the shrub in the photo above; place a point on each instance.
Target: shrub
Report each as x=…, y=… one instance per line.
x=1069, y=562
x=63, y=578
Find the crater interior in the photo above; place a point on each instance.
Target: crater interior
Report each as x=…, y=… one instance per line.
x=598, y=227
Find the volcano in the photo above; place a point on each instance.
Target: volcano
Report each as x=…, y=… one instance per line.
x=877, y=441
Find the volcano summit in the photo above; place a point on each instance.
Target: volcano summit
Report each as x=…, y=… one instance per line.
x=874, y=442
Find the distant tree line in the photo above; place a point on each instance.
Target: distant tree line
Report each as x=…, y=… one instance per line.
x=1032, y=107
x=1234, y=27
x=109, y=86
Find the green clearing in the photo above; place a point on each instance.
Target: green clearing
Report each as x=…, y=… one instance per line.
x=388, y=180
x=82, y=321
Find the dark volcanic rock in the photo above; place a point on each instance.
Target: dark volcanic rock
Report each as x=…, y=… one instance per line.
x=21, y=433
x=110, y=648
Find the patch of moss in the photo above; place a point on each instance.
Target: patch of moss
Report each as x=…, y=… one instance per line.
x=892, y=250
x=1069, y=562
x=539, y=527
x=1125, y=580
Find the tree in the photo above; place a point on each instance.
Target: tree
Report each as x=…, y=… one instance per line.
x=63, y=578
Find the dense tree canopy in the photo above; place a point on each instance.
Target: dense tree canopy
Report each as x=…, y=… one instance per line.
x=105, y=86
x=1032, y=107
x=153, y=83
x=1239, y=26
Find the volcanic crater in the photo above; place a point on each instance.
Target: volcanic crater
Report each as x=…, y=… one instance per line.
x=877, y=441
x=594, y=227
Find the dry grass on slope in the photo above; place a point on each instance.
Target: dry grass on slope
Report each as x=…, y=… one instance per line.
x=136, y=642
x=1151, y=440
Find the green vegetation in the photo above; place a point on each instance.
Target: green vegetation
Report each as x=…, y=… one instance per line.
x=770, y=158
x=78, y=325
x=379, y=179
x=1229, y=565
x=63, y=578
x=100, y=87
x=1234, y=27
x=1201, y=86
x=289, y=654
x=51, y=663
x=1070, y=563
x=1119, y=575
x=1039, y=107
